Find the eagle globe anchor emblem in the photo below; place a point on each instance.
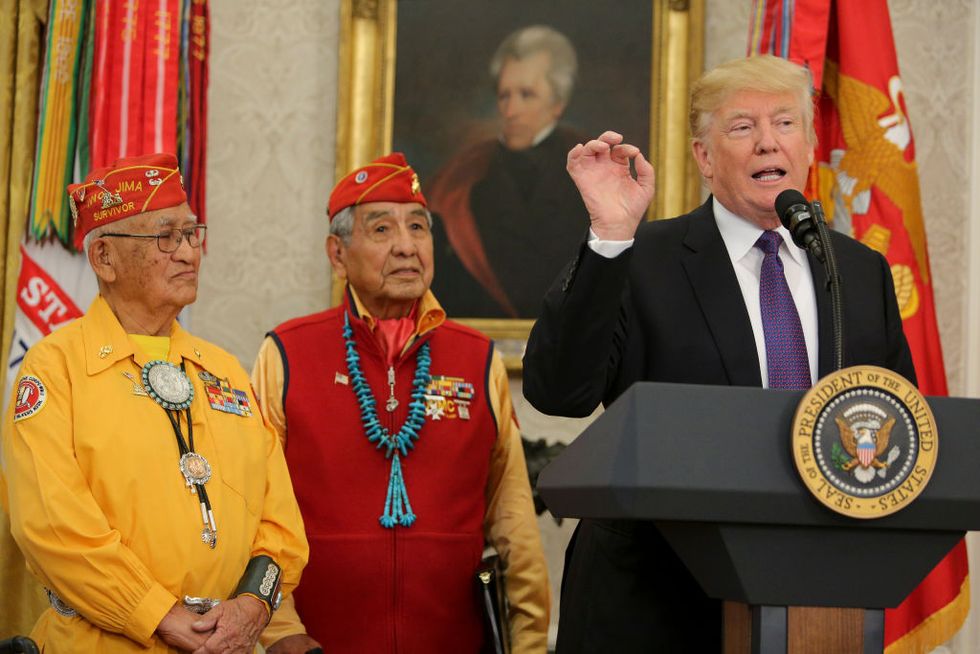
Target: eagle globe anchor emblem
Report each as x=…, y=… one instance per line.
x=865, y=430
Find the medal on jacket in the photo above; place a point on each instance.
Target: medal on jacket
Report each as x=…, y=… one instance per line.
x=169, y=387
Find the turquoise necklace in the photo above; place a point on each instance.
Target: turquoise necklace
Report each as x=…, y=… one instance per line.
x=398, y=510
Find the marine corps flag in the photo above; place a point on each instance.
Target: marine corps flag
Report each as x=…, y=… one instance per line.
x=866, y=177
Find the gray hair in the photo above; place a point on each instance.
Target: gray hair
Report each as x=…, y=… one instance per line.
x=531, y=40
x=342, y=224
x=91, y=236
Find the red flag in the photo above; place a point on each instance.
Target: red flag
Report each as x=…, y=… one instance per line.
x=867, y=179
x=134, y=82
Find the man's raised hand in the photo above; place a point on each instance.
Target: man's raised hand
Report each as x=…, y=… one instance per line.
x=615, y=201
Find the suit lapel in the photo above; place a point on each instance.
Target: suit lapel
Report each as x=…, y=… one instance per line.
x=716, y=288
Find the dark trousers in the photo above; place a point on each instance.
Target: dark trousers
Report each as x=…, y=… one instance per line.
x=624, y=590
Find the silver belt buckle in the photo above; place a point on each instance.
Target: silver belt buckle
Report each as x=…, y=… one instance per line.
x=200, y=605
x=59, y=605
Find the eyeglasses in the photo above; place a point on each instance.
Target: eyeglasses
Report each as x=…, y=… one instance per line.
x=171, y=239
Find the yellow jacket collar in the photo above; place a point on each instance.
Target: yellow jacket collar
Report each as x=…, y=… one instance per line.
x=106, y=342
x=430, y=312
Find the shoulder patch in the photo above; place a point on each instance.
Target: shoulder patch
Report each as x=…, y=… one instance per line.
x=31, y=395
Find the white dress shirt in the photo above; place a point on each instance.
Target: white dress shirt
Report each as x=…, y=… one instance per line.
x=739, y=236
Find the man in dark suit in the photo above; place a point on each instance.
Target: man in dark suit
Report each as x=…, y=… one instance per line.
x=686, y=300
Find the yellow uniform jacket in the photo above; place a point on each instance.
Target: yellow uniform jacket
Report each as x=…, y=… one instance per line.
x=98, y=504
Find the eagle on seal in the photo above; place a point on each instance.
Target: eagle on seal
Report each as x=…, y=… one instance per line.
x=865, y=442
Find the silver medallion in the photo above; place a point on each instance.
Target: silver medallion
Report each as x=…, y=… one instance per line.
x=195, y=468
x=391, y=404
x=167, y=385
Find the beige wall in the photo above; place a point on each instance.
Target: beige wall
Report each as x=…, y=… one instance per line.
x=273, y=96
x=270, y=167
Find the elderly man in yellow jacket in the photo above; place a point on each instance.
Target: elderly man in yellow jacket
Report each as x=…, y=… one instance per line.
x=144, y=488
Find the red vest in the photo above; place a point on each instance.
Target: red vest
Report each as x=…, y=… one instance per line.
x=366, y=588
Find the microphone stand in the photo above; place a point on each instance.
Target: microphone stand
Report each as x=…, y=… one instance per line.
x=833, y=284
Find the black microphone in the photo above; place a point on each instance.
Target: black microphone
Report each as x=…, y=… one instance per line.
x=795, y=214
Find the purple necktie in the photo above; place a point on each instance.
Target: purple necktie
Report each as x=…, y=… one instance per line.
x=786, y=355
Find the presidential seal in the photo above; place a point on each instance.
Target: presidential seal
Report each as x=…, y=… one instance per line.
x=864, y=441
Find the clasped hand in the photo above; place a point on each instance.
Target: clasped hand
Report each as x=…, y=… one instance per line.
x=231, y=627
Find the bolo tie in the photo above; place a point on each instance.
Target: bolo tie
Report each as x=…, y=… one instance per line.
x=169, y=387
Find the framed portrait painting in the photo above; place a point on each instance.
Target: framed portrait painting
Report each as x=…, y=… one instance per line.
x=486, y=99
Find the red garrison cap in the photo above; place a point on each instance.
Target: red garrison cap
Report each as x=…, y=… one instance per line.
x=127, y=187
x=387, y=179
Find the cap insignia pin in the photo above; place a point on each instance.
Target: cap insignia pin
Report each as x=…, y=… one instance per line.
x=109, y=199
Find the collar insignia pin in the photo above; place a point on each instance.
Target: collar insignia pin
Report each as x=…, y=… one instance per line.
x=340, y=378
x=105, y=351
x=137, y=387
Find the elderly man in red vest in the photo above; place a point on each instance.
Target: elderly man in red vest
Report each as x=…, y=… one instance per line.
x=400, y=437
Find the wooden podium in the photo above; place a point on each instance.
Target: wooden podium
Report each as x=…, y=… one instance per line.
x=712, y=467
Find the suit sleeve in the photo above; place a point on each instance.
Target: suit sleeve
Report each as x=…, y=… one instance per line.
x=574, y=351
x=511, y=525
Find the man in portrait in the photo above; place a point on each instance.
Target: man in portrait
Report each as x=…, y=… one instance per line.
x=508, y=213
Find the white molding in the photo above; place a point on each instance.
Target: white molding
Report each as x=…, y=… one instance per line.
x=971, y=329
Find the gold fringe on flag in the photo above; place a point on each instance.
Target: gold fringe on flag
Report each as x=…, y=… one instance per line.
x=937, y=627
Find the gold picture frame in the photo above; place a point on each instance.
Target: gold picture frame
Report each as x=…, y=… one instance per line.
x=366, y=97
